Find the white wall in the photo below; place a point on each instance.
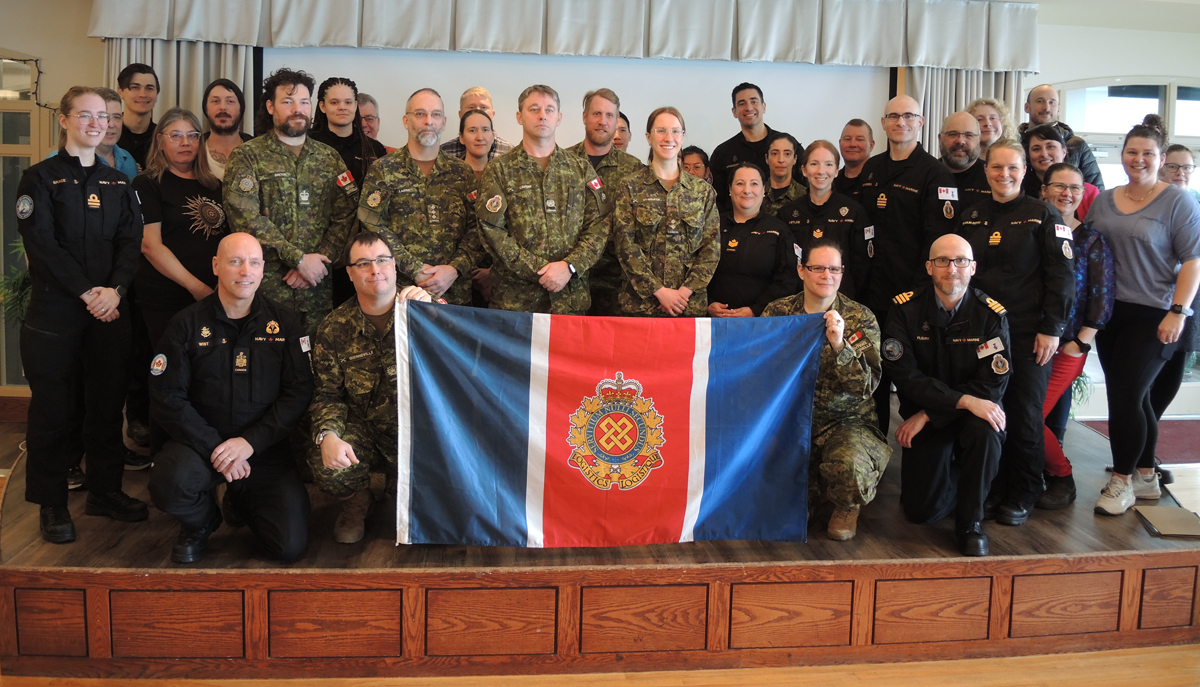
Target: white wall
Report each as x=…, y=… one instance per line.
x=1070, y=53
x=807, y=101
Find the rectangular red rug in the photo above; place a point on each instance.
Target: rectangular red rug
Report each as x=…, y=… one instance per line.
x=1178, y=440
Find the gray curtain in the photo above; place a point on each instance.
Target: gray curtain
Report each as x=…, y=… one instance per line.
x=942, y=92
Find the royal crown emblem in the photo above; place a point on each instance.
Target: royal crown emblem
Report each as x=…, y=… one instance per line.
x=616, y=435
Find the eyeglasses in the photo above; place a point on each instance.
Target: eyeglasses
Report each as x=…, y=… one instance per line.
x=178, y=136
x=115, y=118
x=822, y=269
x=673, y=133
x=422, y=114
x=958, y=262
x=382, y=261
x=373, y=118
x=1059, y=187
x=969, y=135
x=86, y=118
x=1172, y=167
x=907, y=116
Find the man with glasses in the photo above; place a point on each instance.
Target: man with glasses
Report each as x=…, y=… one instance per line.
x=354, y=401
x=543, y=214
x=946, y=347
x=421, y=201
x=849, y=453
x=959, y=140
x=368, y=110
x=295, y=196
x=601, y=114
x=748, y=145
x=476, y=98
x=911, y=200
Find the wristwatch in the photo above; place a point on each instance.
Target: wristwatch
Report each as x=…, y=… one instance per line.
x=1182, y=310
x=1086, y=348
x=321, y=436
x=120, y=291
x=572, y=268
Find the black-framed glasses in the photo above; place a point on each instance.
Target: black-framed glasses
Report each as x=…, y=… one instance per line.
x=822, y=269
x=969, y=135
x=370, y=118
x=907, y=116
x=365, y=264
x=958, y=262
x=1172, y=167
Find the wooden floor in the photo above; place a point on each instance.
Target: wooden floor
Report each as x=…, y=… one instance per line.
x=883, y=534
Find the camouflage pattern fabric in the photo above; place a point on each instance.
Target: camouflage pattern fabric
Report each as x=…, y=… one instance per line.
x=425, y=220
x=665, y=238
x=529, y=218
x=772, y=207
x=373, y=455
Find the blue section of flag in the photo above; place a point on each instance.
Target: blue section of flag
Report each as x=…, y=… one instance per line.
x=762, y=373
x=470, y=415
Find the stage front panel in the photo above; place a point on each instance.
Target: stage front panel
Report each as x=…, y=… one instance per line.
x=335, y=624
x=932, y=610
x=1063, y=604
x=51, y=622
x=482, y=622
x=657, y=618
x=791, y=615
x=1167, y=597
x=177, y=624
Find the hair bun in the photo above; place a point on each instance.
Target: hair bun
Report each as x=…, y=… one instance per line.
x=1155, y=122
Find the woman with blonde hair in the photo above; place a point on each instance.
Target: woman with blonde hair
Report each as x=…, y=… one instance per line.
x=995, y=122
x=665, y=226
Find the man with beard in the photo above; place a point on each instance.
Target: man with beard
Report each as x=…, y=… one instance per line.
x=911, y=200
x=139, y=87
x=224, y=106
x=946, y=347
x=601, y=114
x=1042, y=105
x=959, y=139
x=421, y=201
x=543, y=215
x=748, y=145
x=294, y=195
x=856, y=144
x=476, y=98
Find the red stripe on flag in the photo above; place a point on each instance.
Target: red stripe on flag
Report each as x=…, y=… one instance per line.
x=583, y=353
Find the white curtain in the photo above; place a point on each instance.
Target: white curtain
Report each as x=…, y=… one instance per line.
x=499, y=25
x=408, y=24
x=184, y=68
x=692, y=29
x=779, y=30
x=942, y=92
x=616, y=28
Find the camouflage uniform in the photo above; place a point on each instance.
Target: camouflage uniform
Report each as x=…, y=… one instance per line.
x=605, y=277
x=425, y=220
x=849, y=453
x=293, y=206
x=666, y=238
x=354, y=366
x=771, y=207
x=529, y=218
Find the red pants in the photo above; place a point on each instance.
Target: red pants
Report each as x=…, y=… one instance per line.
x=1064, y=370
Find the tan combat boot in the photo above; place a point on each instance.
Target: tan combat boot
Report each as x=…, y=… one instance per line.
x=351, y=523
x=843, y=524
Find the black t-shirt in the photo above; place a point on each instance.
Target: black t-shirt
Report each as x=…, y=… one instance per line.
x=193, y=223
x=758, y=263
x=137, y=145
x=350, y=148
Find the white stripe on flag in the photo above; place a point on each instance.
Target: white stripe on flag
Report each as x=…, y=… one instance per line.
x=535, y=481
x=403, y=426
x=696, y=422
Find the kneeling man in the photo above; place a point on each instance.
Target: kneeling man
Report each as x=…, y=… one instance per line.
x=230, y=380
x=946, y=348
x=849, y=453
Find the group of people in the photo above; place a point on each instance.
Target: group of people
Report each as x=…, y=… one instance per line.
x=270, y=265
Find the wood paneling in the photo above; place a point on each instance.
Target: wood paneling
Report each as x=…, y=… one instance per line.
x=257, y=615
x=1065, y=604
x=932, y=610
x=1167, y=596
x=8, y=623
x=483, y=622
x=333, y=624
x=51, y=622
x=718, y=619
x=412, y=627
x=568, y=620
x=99, y=623
x=658, y=618
x=14, y=408
x=1001, y=605
x=177, y=624
x=787, y=615
x=862, y=613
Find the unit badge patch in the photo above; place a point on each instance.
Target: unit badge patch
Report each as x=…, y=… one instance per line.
x=246, y=184
x=948, y=210
x=893, y=349
x=616, y=435
x=843, y=211
x=24, y=207
x=493, y=204
x=158, y=365
x=1070, y=254
x=272, y=327
x=999, y=364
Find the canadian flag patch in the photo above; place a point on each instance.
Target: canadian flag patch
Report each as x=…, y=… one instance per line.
x=596, y=184
x=345, y=178
x=472, y=195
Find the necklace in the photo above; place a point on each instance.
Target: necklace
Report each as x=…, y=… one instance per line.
x=1153, y=187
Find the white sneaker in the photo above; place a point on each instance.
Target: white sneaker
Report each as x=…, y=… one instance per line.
x=1145, y=486
x=1116, y=498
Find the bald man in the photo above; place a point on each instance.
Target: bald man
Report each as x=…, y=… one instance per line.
x=946, y=347
x=230, y=380
x=1042, y=105
x=959, y=141
x=911, y=200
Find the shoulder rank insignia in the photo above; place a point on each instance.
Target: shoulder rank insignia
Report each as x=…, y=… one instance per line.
x=994, y=305
x=615, y=435
x=903, y=298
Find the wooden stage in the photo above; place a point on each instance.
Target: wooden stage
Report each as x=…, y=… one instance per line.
x=113, y=605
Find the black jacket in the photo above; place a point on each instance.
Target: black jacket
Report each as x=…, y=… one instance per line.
x=973, y=187
x=911, y=203
x=839, y=219
x=1024, y=258
x=213, y=380
x=758, y=264
x=735, y=151
x=848, y=186
x=80, y=229
x=1078, y=153
x=934, y=358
